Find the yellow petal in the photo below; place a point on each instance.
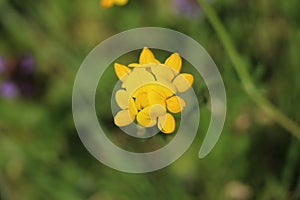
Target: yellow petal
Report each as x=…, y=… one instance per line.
x=157, y=94
x=106, y=3
x=183, y=82
x=110, y=3
x=141, y=100
x=148, y=65
x=136, y=79
x=122, y=99
x=163, y=72
x=157, y=111
x=175, y=62
x=132, y=108
x=166, y=123
x=121, y=71
x=156, y=98
x=175, y=104
x=169, y=88
x=123, y=118
x=144, y=119
x=147, y=57
x=120, y=2
x=134, y=65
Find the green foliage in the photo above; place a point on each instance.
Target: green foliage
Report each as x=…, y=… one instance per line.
x=42, y=157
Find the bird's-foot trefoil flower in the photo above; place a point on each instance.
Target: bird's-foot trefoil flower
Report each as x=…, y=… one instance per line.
x=110, y=3
x=149, y=92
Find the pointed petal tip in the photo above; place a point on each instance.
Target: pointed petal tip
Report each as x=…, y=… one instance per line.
x=121, y=70
x=174, y=61
x=147, y=57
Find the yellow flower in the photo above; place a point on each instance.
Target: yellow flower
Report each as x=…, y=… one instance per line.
x=149, y=91
x=110, y=3
x=167, y=72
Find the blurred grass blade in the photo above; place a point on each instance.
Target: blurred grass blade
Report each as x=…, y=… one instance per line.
x=244, y=76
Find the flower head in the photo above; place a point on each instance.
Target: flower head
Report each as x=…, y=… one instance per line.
x=18, y=77
x=188, y=8
x=9, y=89
x=149, y=91
x=110, y=3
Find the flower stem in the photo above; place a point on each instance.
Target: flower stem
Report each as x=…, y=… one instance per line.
x=244, y=76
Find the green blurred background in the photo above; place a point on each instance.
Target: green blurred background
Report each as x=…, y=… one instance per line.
x=42, y=44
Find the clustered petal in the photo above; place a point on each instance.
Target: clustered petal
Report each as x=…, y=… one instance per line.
x=149, y=91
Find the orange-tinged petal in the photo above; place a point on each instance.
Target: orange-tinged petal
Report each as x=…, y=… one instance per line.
x=123, y=118
x=183, y=82
x=110, y=3
x=106, y=3
x=121, y=71
x=122, y=99
x=175, y=62
x=166, y=123
x=144, y=119
x=175, y=104
x=147, y=57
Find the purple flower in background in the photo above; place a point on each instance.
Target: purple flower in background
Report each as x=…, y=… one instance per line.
x=27, y=64
x=2, y=65
x=189, y=8
x=18, y=77
x=9, y=89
